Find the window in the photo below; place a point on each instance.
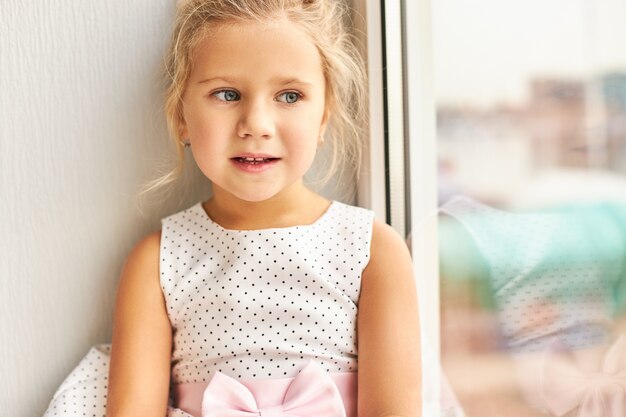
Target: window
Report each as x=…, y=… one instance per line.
x=530, y=100
x=508, y=125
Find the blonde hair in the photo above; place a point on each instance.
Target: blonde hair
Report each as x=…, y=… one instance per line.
x=324, y=21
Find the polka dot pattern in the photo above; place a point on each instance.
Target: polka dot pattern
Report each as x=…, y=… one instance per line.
x=84, y=392
x=549, y=275
x=251, y=304
x=262, y=303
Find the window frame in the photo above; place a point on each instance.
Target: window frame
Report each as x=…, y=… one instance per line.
x=400, y=162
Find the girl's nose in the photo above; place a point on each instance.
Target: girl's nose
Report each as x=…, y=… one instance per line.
x=256, y=121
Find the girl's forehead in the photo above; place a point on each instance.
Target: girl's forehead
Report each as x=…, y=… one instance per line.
x=277, y=45
x=245, y=32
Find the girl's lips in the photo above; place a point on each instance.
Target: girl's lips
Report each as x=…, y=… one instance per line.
x=254, y=164
x=253, y=155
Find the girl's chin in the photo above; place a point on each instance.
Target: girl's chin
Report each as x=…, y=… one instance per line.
x=256, y=196
x=261, y=191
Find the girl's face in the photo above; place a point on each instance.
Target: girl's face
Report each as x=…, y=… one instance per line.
x=254, y=109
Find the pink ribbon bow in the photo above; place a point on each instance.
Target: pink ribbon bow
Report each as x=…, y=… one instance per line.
x=311, y=393
x=566, y=387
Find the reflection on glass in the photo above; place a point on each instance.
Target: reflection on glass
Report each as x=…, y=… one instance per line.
x=531, y=300
x=531, y=130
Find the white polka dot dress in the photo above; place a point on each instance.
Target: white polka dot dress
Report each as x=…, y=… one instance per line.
x=261, y=304
x=84, y=391
x=250, y=304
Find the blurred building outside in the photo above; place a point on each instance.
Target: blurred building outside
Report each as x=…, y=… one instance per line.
x=492, y=154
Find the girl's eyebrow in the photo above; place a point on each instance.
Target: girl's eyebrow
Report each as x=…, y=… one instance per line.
x=278, y=81
x=285, y=81
x=228, y=80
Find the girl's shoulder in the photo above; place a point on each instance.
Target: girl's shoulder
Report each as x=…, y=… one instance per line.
x=142, y=262
x=386, y=239
x=146, y=250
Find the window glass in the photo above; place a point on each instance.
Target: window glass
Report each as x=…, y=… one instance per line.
x=531, y=136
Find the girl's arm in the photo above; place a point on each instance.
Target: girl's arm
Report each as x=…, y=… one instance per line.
x=389, y=371
x=139, y=375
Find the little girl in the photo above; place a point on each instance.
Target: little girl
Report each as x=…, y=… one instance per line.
x=267, y=298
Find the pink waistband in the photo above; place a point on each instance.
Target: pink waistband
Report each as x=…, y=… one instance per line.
x=267, y=392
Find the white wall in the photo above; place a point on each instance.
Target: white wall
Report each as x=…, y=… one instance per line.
x=81, y=127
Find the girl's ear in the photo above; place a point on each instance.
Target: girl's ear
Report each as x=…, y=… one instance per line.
x=328, y=108
x=324, y=123
x=184, y=132
x=182, y=128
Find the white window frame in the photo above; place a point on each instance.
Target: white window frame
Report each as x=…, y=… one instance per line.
x=410, y=118
x=422, y=157
x=371, y=187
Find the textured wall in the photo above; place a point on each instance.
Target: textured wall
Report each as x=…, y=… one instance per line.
x=81, y=127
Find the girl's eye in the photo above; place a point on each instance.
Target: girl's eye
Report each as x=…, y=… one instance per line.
x=290, y=97
x=226, y=95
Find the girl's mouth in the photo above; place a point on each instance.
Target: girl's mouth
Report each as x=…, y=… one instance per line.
x=253, y=161
x=254, y=164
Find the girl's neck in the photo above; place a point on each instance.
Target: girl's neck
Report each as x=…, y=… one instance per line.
x=288, y=208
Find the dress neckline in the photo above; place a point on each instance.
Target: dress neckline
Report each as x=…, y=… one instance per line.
x=320, y=219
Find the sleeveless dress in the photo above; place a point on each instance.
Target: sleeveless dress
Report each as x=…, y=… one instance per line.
x=263, y=321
